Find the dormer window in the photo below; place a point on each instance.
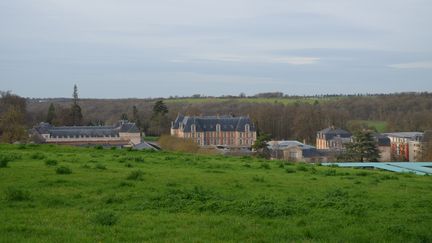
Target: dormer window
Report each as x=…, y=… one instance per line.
x=247, y=128
x=218, y=127
x=193, y=128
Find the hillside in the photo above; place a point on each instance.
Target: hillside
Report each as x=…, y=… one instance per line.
x=119, y=195
x=296, y=118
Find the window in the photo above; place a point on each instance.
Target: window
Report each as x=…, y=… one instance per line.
x=193, y=128
x=218, y=127
x=247, y=128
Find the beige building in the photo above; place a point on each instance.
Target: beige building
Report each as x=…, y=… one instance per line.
x=332, y=139
x=122, y=134
x=211, y=131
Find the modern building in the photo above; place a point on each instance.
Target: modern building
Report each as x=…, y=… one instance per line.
x=122, y=134
x=405, y=146
x=296, y=151
x=211, y=131
x=332, y=139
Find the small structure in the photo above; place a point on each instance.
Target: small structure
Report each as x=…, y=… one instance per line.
x=122, y=134
x=296, y=151
x=332, y=139
x=211, y=131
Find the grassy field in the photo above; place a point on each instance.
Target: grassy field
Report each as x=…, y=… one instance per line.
x=379, y=126
x=285, y=101
x=65, y=194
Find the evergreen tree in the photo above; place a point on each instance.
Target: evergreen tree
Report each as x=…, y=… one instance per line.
x=76, y=115
x=159, y=120
x=51, y=116
x=362, y=148
x=160, y=108
x=261, y=146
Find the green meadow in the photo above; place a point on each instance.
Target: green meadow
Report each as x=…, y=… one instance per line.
x=67, y=194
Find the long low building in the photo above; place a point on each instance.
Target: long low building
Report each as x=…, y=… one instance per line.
x=123, y=133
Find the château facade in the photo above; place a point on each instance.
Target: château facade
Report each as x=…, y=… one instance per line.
x=211, y=131
x=332, y=139
x=123, y=133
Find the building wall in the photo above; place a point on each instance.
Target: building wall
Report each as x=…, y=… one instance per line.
x=415, y=151
x=385, y=153
x=213, y=138
x=134, y=138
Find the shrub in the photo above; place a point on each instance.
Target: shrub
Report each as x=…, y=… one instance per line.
x=14, y=194
x=100, y=167
x=113, y=148
x=362, y=173
x=63, y=170
x=135, y=175
x=265, y=165
x=51, y=162
x=302, y=168
x=139, y=159
x=129, y=165
x=38, y=156
x=330, y=172
x=3, y=163
x=98, y=147
x=258, y=178
x=290, y=170
x=105, y=218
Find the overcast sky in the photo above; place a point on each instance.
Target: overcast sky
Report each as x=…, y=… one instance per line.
x=151, y=48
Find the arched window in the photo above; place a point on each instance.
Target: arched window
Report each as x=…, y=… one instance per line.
x=247, y=128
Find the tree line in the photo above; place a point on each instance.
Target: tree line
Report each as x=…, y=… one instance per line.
x=300, y=120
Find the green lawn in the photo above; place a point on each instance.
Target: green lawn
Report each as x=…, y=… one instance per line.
x=135, y=196
x=379, y=126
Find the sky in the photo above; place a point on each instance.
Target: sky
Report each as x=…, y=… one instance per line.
x=161, y=48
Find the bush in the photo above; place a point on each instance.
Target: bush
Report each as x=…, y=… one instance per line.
x=258, y=178
x=302, y=168
x=51, y=162
x=290, y=170
x=38, y=156
x=178, y=144
x=98, y=147
x=3, y=163
x=139, y=159
x=100, y=167
x=129, y=165
x=14, y=194
x=63, y=170
x=6, y=158
x=265, y=165
x=330, y=172
x=105, y=218
x=135, y=175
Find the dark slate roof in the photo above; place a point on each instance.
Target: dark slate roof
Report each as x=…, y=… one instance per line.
x=382, y=140
x=332, y=132
x=208, y=123
x=87, y=131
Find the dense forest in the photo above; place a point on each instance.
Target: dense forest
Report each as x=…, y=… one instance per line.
x=299, y=119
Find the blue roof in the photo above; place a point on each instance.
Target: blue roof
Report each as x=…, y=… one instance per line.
x=419, y=168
